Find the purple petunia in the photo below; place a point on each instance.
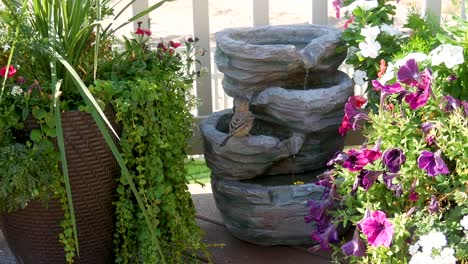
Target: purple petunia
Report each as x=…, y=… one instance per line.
x=426, y=127
x=409, y=73
x=465, y=108
x=368, y=178
x=339, y=158
x=378, y=229
x=413, y=195
x=388, y=89
x=423, y=91
x=353, y=114
x=433, y=205
x=393, y=159
x=325, y=234
x=358, y=159
x=432, y=163
x=356, y=247
x=449, y=104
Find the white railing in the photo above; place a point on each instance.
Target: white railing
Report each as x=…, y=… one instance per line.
x=208, y=88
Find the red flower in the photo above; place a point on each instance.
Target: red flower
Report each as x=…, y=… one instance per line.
x=11, y=71
x=147, y=32
x=140, y=31
x=175, y=45
x=382, y=67
x=162, y=46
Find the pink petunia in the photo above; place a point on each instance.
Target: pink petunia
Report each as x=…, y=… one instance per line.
x=378, y=229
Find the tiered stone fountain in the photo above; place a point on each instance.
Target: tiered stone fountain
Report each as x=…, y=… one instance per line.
x=289, y=75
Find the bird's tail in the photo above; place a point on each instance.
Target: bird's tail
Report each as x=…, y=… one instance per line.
x=225, y=141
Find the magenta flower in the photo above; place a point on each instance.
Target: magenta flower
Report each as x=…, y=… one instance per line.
x=11, y=71
x=451, y=78
x=449, y=104
x=413, y=195
x=433, y=205
x=388, y=89
x=423, y=90
x=432, y=163
x=393, y=159
x=348, y=22
x=356, y=247
x=337, y=5
x=409, y=73
x=378, y=229
x=430, y=140
x=339, y=158
x=174, y=45
x=358, y=159
x=353, y=114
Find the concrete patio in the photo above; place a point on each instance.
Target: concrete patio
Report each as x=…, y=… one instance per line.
x=223, y=247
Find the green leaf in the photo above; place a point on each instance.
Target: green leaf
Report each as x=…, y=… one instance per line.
x=35, y=135
x=39, y=113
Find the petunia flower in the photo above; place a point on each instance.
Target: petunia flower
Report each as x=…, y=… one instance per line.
x=393, y=159
x=139, y=31
x=325, y=234
x=451, y=78
x=359, y=77
x=430, y=139
x=370, y=49
x=448, y=54
x=357, y=101
x=409, y=73
x=388, y=89
x=449, y=104
x=433, y=205
x=427, y=126
x=421, y=96
x=432, y=163
x=11, y=71
x=358, y=159
x=353, y=114
x=20, y=80
x=378, y=229
x=363, y=4
x=339, y=158
x=356, y=247
x=345, y=125
x=368, y=178
x=317, y=211
x=413, y=195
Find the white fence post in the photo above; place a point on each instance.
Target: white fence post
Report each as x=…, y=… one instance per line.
x=137, y=7
x=320, y=12
x=432, y=6
x=261, y=13
x=463, y=10
x=201, y=29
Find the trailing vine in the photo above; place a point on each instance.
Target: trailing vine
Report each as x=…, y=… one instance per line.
x=150, y=94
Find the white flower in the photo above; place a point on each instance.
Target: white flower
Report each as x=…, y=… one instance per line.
x=449, y=54
x=370, y=33
x=464, y=222
x=363, y=4
x=433, y=239
x=359, y=77
x=389, y=74
x=370, y=49
x=421, y=258
x=413, y=249
x=6, y=47
x=16, y=90
x=390, y=30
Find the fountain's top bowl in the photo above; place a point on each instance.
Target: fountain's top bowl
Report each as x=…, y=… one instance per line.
x=286, y=43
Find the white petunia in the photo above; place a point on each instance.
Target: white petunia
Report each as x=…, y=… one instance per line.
x=390, y=30
x=363, y=4
x=370, y=33
x=433, y=239
x=16, y=90
x=464, y=222
x=359, y=77
x=370, y=49
x=389, y=74
x=448, y=54
x=446, y=257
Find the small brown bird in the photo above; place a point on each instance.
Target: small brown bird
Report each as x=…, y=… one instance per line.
x=242, y=121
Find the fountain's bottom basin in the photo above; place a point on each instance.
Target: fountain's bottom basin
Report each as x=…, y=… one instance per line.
x=268, y=210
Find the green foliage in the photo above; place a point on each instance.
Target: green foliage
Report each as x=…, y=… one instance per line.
x=197, y=171
x=150, y=94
